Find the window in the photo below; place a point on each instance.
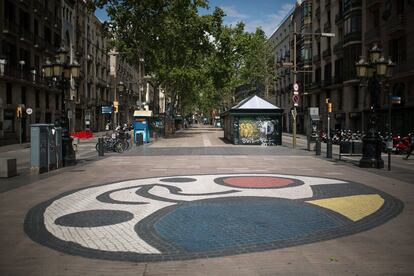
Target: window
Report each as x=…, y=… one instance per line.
x=36, y=28
x=37, y=98
x=356, y=97
x=376, y=18
x=9, y=14
x=9, y=93
x=47, y=100
x=398, y=49
x=318, y=76
x=57, y=40
x=340, y=101
x=56, y=102
x=48, y=35
x=23, y=96
x=8, y=123
x=400, y=7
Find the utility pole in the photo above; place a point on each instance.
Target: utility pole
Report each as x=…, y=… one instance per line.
x=294, y=112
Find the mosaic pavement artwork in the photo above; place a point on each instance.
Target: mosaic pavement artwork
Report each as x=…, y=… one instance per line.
x=198, y=216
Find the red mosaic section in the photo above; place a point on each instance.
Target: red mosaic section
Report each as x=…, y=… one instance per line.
x=258, y=182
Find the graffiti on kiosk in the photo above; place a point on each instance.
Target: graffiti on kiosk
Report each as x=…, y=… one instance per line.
x=258, y=130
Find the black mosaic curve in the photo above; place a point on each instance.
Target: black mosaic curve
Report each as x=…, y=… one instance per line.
x=34, y=227
x=94, y=218
x=295, y=182
x=106, y=197
x=145, y=192
x=178, y=179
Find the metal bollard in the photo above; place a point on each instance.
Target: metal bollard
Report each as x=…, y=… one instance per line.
x=100, y=147
x=329, y=148
x=318, y=147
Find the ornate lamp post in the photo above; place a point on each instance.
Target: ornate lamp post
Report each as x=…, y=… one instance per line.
x=371, y=74
x=60, y=74
x=3, y=63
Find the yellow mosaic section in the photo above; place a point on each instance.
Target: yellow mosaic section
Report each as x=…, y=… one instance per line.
x=353, y=207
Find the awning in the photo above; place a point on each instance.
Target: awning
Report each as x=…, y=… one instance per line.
x=143, y=113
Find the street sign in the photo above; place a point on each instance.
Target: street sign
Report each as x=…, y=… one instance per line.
x=314, y=111
x=296, y=87
x=70, y=114
x=107, y=109
x=295, y=99
x=29, y=111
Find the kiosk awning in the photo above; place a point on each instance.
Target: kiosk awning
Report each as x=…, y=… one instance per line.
x=143, y=113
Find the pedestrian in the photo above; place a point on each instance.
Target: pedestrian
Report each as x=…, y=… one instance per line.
x=410, y=150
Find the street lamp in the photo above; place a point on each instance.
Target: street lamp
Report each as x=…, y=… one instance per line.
x=3, y=63
x=59, y=74
x=120, y=88
x=295, y=71
x=371, y=73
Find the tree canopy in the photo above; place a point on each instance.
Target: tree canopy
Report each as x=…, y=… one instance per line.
x=196, y=58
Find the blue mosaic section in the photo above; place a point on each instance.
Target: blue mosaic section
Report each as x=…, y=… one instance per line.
x=218, y=226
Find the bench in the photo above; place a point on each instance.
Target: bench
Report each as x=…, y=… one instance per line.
x=8, y=167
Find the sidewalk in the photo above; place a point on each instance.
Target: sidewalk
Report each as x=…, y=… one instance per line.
x=193, y=206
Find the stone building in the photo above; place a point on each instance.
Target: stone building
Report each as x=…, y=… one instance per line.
x=357, y=25
x=31, y=31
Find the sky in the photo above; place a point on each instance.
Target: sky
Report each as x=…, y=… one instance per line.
x=267, y=14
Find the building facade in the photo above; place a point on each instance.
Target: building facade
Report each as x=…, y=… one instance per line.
x=357, y=25
x=31, y=31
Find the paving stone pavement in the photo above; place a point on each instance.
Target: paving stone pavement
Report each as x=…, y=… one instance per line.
x=209, y=208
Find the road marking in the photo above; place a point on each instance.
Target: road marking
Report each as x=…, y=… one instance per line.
x=206, y=141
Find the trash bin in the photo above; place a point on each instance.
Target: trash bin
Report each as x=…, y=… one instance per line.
x=51, y=160
x=139, y=138
x=345, y=147
x=357, y=147
x=39, y=148
x=58, y=143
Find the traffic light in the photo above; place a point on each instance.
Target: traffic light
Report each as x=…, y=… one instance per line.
x=19, y=112
x=116, y=107
x=330, y=107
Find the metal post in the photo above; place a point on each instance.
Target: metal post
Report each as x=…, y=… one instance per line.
x=389, y=142
x=294, y=81
x=329, y=141
x=20, y=130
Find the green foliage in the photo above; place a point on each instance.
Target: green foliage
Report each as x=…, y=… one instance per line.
x=195, y=57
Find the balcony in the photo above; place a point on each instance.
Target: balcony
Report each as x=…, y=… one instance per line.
x=352, y=4
x=326, y=53
x=371, y=3
x=404, y=66
x=338, y=50
x=338, y=79
x=327, y=5
x=316, y=58
x=37, y=5
x=25, y=3
x=327, y=82
x=339, y=18
x=327, y=27
x=38, y=43
x=50, y=48
x=318, y=12
x=25, y=35
x=396, y=23
x=372, y=36
x=10, y=27
x=352, y=37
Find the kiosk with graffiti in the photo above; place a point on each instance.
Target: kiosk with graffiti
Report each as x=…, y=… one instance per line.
x=258, y=130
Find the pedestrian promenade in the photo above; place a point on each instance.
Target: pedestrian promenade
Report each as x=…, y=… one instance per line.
x=192, y=204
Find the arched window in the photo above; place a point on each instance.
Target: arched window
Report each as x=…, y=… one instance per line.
x=67, y=38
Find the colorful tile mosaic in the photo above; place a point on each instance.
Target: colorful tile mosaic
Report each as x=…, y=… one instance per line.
x=197, y=216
